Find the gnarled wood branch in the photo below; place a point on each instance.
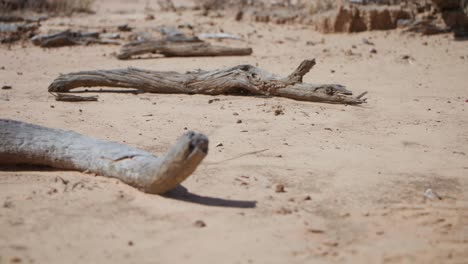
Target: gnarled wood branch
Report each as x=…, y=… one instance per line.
x=23, y=143
x=235, y=80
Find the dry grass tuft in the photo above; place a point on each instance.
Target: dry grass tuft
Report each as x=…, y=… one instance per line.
x=53, y=6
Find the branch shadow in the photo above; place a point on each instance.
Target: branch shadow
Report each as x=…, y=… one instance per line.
x=25, y=167
x=182, y=194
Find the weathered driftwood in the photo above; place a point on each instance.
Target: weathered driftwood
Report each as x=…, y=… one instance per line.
x=179, y=49
x=70, y=38
x=14, y=18
x=235, y=80
x=11, y=32
x=23, y=143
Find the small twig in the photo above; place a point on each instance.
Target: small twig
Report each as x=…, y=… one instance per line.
x=361, y=95
x=240, y=156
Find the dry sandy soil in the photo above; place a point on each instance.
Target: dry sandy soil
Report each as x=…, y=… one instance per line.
x=354, y=176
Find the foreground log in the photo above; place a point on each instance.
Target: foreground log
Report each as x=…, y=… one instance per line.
x=23, y=143
x=242, y=79
x=179, y=49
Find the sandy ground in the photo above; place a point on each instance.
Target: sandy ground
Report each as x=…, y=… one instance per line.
x=354, y=176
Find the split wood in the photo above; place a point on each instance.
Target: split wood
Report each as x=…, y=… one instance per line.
x=24, y=143
x=242, y=79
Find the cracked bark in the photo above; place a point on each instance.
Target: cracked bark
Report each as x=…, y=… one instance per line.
x=236, y=80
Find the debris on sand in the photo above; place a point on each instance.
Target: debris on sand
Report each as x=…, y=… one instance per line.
x=280, y=188
x=70, y=38
x=12, y=32
x=199, y=224
x=431, y=195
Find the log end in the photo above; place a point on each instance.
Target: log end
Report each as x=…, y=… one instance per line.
x=179, y=163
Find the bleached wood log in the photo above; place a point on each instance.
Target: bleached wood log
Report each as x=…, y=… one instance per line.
x=236, y=80
x=179, y=49
x=24, y=143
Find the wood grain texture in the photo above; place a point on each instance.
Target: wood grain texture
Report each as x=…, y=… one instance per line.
x=24, y=143
x=240, y=79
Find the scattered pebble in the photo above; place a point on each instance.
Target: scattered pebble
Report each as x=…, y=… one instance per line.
x=367, y=42
x=284, y=211
x=16, y=260
x=6, y=87
x=124, y=28
x=307, y=198
x=130, y=243
x=316, y=231
x=373, y=51
x=430, y=194
x=239, y=121
x=8, y=204
x=199, y=223
x=280, y=188
x=213, y=100
x=149, y=17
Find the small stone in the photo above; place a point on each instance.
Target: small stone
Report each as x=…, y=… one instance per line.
x=130, y=243
x=280, y=188
x=373, y=51
x=6, y=87
x=307, y=198
x=367, y=42
x=199, y=223
x=239, y=15
x=239, y=121
x=149, y=17
x=235, y=113
x=52, y=106
x=213, y=100
x=8, y=204
x=284, y=211
x=316, y=231
x=124, y=28
x=16, y=260
x=430, y=194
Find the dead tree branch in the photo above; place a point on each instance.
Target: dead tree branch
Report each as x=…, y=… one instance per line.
x=236, y=80
x=179, y=49
x=23, y=143
x=70, y=38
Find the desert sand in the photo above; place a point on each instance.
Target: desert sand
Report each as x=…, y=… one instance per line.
x=354, y=177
